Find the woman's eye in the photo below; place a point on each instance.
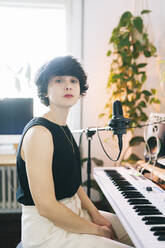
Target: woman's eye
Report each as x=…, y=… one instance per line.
x=58, y=80
x=73, y=81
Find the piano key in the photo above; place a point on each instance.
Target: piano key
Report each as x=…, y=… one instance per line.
x=138, y=201
x=144, y=207
x=158, y=233
x=161, y=238
x=126, y=188
x=149, y=213
x=157, y=228
x=113, y=189
x=153, y=218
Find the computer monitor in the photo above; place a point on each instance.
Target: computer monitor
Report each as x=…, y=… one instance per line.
x=155, y=139
x=15, y=113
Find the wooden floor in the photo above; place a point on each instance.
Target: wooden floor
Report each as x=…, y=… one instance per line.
x=10, y=229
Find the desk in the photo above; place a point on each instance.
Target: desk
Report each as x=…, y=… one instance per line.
x=7, y=159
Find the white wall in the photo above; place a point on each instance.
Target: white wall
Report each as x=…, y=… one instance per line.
x=100, y=17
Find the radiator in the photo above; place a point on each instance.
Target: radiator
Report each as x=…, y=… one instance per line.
x=8, y=187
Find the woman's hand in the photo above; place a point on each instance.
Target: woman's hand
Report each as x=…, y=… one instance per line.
x=101, y=220
x=106, y=232
x=106, y=229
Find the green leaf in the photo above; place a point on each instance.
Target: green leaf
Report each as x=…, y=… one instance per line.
x=135, y=141
x=117, y=76
x=101, y=115
x=135, y=53
x=109, y=53
x=147, y=53
x=153, y=49
x=146, y=93
x=97, y=161
x=142, y=104
x=115, y=31
x=132, y=159
x=157, y=101
x=138, y=23
x=83, y=160
x=107, y=105
x=145, y=11
x=143, y=116
x=137, y=96
x=125, y=18
x=153, y=91
x=134, y=68
x=141, y=65
x=124, y=40
x=154, y=100
x=145, y=36
x=144, y=77
x=129, y=91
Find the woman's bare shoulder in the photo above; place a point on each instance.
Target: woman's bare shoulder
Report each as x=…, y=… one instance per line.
x=37, y=134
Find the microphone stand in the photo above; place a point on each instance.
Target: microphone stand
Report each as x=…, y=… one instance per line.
x=89, y=134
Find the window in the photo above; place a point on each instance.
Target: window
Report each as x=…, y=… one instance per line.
x=30, y=36
x=32, y=32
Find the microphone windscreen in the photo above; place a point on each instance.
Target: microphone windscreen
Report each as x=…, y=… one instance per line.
x=117, y=109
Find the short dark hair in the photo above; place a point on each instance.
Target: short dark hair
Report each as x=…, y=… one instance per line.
x=59, y=66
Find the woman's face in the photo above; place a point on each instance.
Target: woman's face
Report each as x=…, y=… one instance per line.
x=63, y=91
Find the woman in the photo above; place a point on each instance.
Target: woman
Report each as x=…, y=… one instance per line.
x=56, y=212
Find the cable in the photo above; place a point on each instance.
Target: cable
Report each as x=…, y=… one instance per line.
x=149, y=124
x=120, y=143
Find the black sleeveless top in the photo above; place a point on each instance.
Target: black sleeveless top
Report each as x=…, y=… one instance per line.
x=66, y=165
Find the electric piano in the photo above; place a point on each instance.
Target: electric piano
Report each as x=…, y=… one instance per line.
x=138, y=203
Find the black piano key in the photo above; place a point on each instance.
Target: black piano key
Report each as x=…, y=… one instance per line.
x=157, y=228
x=161, y=238
x=155, y=222
x=138, y=201
x=133, y=195
x=153, y=218
x=158, y=233
x=148, y=207
x=149, y=213
x=122, y=183
x=149, y=210
x=126, y=188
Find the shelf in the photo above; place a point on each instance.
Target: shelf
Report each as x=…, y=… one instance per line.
x=7, y=159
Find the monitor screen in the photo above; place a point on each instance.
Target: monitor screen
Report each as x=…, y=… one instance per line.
x=15, y=113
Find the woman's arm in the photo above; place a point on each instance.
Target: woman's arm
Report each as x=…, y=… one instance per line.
x=87, y=203
x=37, y=152
x=97, y=218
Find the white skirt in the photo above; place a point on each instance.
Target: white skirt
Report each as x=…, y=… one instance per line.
x=39, y=232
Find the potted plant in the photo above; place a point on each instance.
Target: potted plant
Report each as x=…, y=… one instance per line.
x=131, y=48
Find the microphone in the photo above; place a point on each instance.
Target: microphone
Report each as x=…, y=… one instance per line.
x=118, y=123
